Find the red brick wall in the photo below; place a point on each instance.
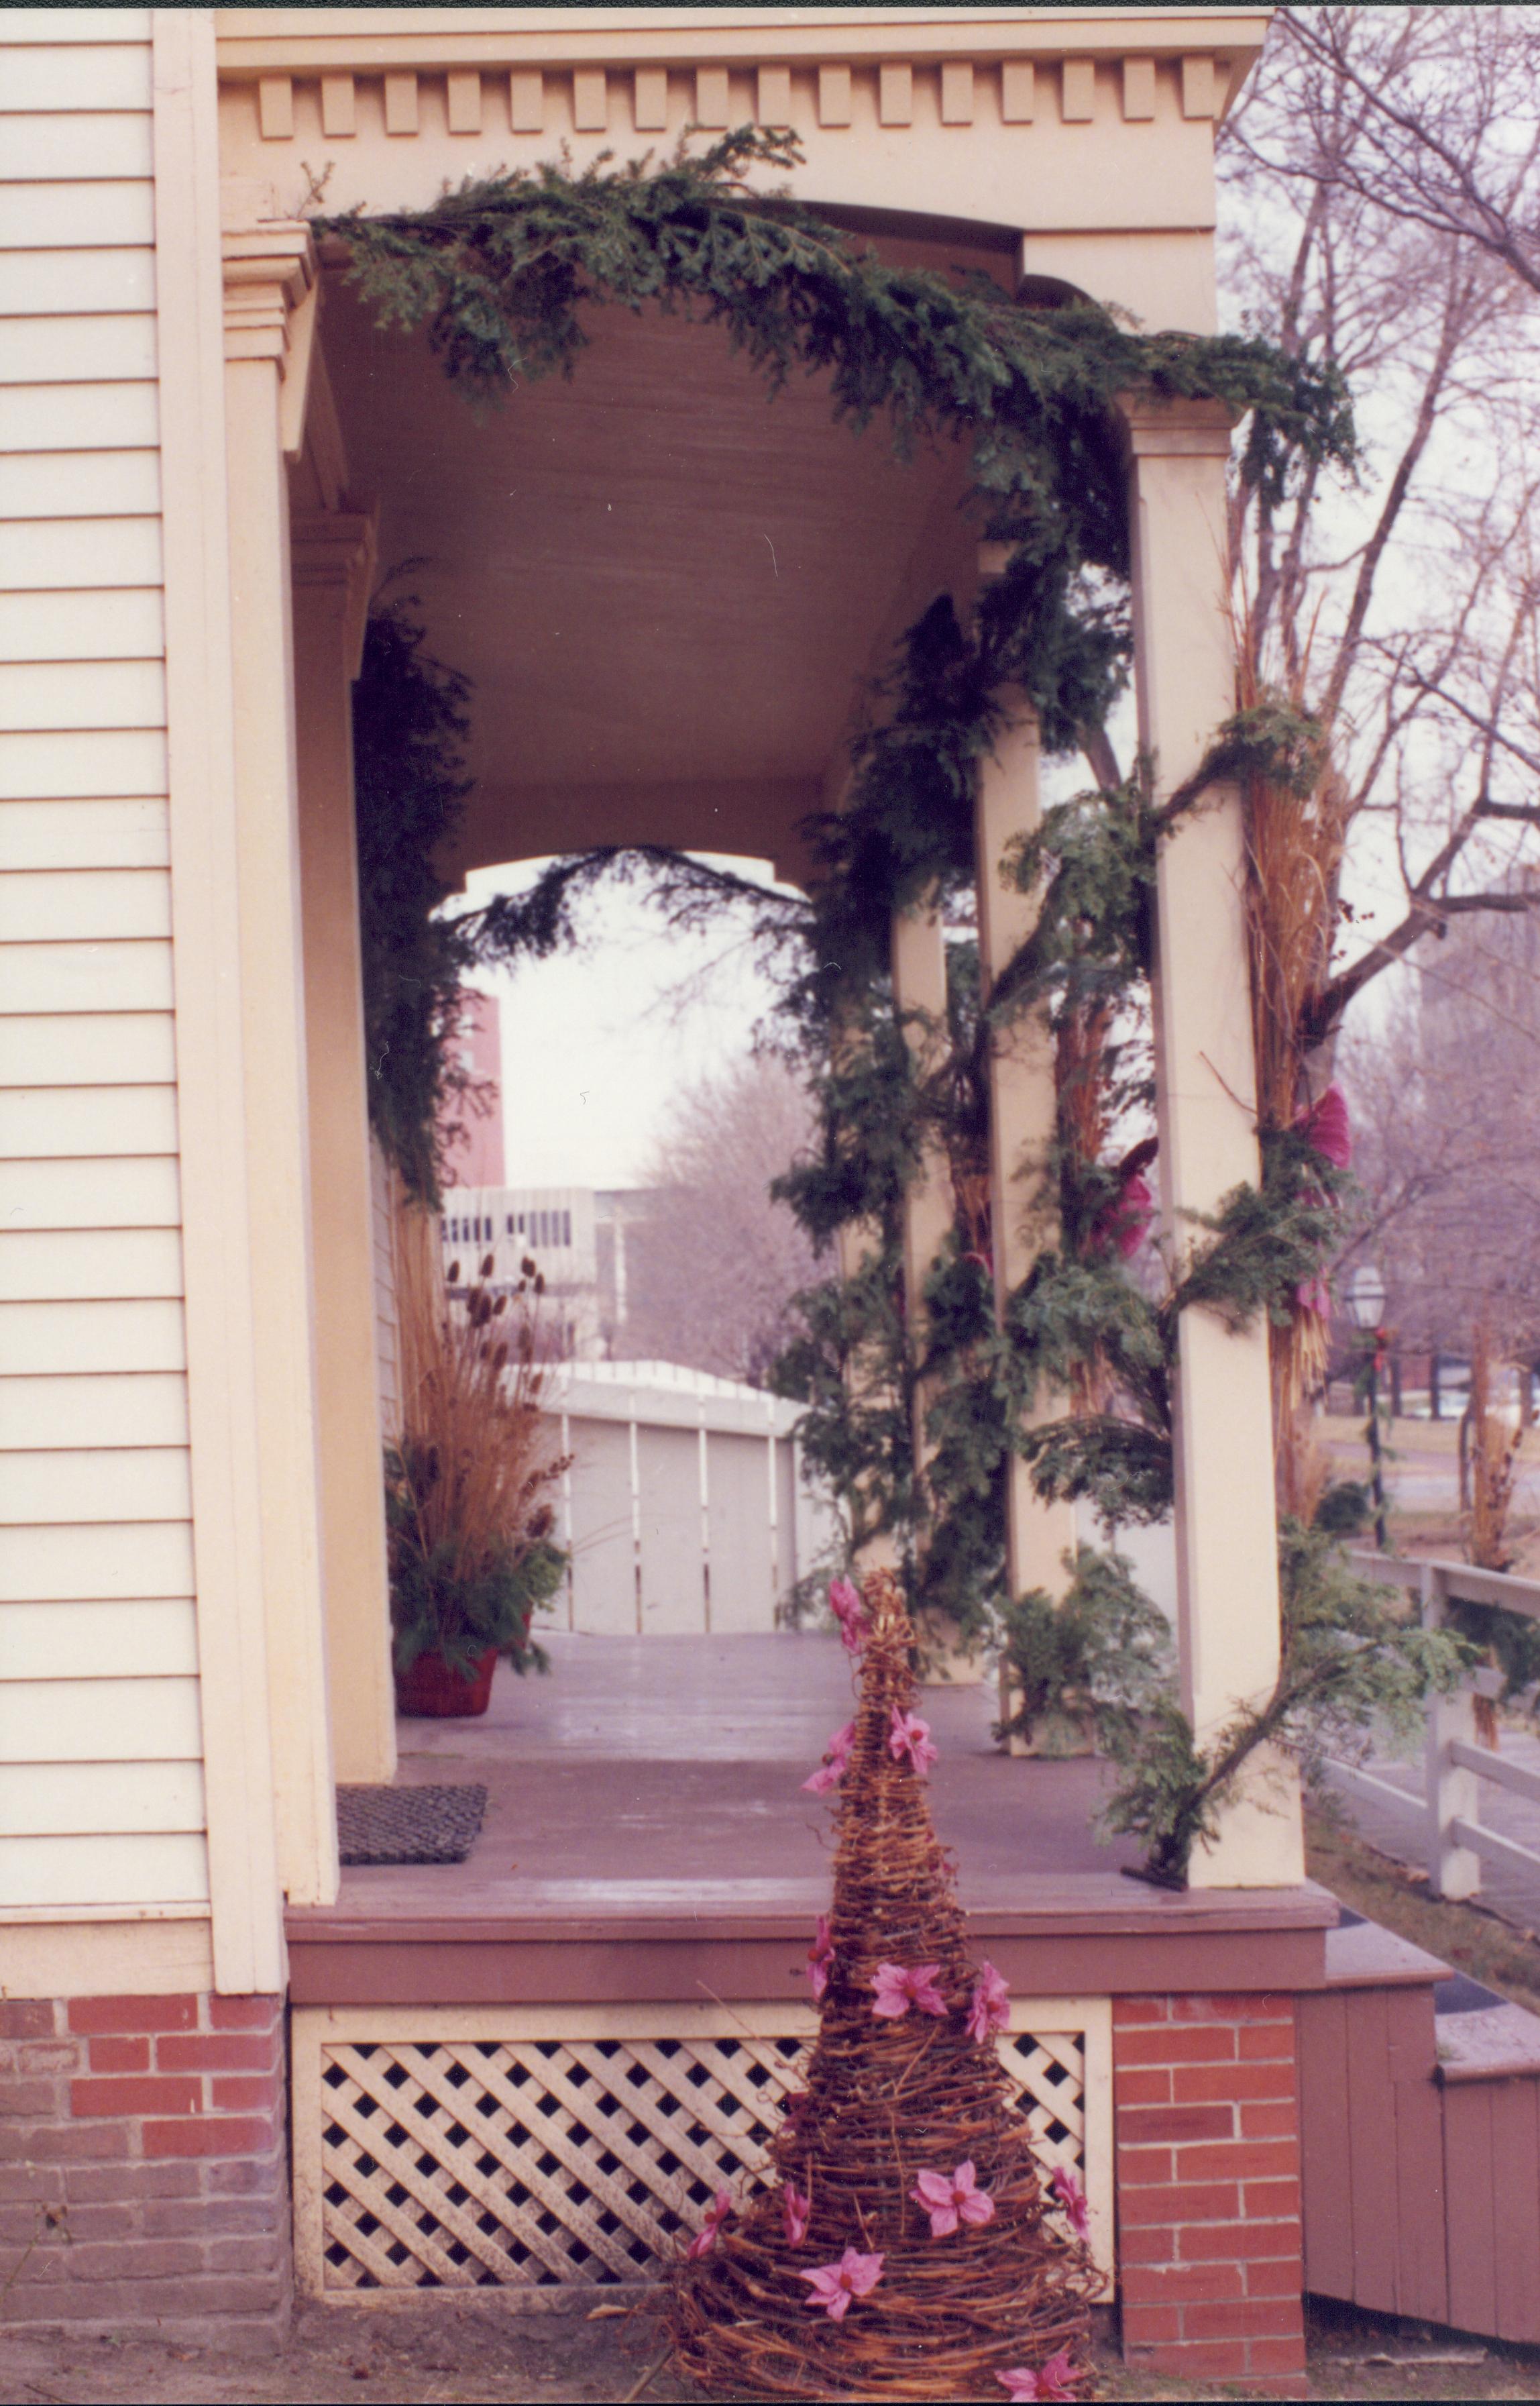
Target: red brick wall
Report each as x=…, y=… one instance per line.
x=144, y=2169
x=1206, y=2126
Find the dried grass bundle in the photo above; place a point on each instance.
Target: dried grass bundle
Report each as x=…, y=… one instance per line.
x=1295, y=838
x=888, y=2104
x=1493, y=1449
x=467, y=1483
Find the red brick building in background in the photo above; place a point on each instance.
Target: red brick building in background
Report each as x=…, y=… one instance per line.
x=475, y=1156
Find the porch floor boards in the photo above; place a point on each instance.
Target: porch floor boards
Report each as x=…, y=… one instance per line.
x=649, y=1774
x=644, y=1800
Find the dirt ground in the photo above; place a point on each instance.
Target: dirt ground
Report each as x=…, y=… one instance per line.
x=1473, y=1938
x=464, y=2353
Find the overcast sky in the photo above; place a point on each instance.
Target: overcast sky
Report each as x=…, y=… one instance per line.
x=596, y=1042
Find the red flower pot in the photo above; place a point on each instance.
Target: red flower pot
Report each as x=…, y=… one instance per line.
x=432, y=1690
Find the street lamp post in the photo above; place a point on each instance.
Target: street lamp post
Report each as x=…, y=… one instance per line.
x=1367, y=1303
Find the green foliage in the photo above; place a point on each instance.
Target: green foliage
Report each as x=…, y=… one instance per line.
x=1099, y=1657
x=1344, y=1508
x=1507, y=1638
x=438, y=1607
x=503, y=276
x=501, y=273
x=409, y=725
x=1350, y=1669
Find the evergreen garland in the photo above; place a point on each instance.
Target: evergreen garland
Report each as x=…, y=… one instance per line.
x=1350, y=1670
x=499, y=275
x=409, y=726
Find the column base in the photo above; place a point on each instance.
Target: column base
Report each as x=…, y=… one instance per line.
x=1260, y=1842
x=946, y=1660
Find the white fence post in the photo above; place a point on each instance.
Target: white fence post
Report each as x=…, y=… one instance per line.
x=1453, y=1793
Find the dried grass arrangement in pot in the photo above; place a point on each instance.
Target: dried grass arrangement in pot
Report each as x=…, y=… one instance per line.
x=468, y=1515
x=904, y=2249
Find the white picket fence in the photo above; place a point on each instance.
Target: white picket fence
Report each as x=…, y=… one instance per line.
x=1455, y=1843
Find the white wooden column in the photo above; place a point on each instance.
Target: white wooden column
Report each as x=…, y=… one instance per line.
x=220, y=1306
x=270, y=282
x=919, y=985
x=333, y=556
x=1226, y=1537
x=1023, y=1107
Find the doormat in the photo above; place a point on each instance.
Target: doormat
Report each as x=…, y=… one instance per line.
x=409, y=1825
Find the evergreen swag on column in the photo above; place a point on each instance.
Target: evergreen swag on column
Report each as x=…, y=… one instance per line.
x=499, y=275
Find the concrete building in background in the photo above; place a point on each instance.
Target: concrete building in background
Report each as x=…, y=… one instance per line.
x=575, y=1235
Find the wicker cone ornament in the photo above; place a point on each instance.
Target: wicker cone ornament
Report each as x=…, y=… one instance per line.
x=903, y=2250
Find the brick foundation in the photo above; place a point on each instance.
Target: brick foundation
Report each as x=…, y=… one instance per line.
x=144, y=2165
x=1207, y=2127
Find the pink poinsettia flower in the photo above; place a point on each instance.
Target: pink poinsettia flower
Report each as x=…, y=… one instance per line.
x=950, y=2197
x=833, y=2285
x=1132, y=1214
x=1126, y=1220
x=798, y=2211
x=989, y=2007
x=909, y=1735
x=705, y=2238
x=1071, y=2197
x=820, y=1956
x=836, y=1756
x=896, y=1986
x=1057, y=2378
x=848, y=1606
x=1327, y=1129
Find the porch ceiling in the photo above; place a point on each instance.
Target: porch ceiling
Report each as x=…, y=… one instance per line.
x=664, y=587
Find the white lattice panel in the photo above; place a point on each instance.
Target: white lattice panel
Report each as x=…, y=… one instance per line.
x=544, y=2151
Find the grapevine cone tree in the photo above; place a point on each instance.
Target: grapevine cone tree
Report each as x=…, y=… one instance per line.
x=903, y=2249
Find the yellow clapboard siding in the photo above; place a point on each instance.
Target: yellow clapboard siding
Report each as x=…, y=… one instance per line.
x=121, y=1048
x=108, y=1870
x=69, y=696
x=57, y=1123
x=78, y=418
x=67, y=905
x=145, y=1408
x=61, y=283
x=148, y=1638
x=83, y=1264
x=84, y=1799
x=142, y=1483
x=144, y=1333
x=49, y=484
x=133, y=834
x=85, y=977
x=148, y=1558
x=81, y=554
x=77, y=351
x=45, y=217
x=68, y=149
x=75, y=75
x=78, y=763
x=123, y=623
x=142, y=1192
x=99, y=1720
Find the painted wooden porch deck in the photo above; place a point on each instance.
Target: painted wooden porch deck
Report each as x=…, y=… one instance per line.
x=646, y=1804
